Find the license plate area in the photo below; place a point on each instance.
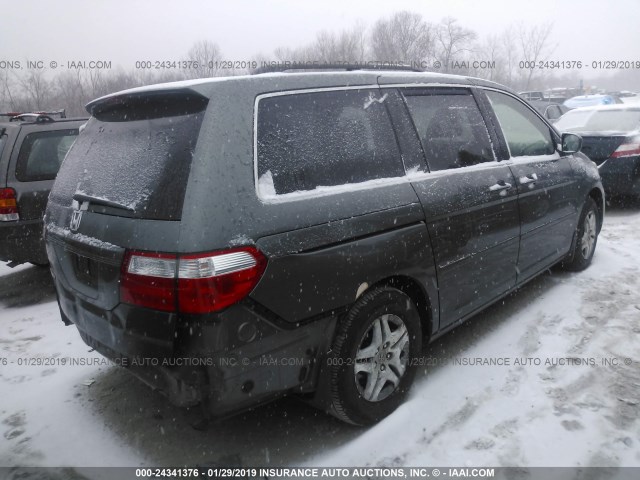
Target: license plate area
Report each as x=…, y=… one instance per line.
x=85, y=270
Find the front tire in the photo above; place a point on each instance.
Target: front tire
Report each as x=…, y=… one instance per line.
x=374, y=356
x=586, y=238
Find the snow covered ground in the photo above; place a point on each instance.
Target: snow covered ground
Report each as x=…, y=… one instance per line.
x=573, y=399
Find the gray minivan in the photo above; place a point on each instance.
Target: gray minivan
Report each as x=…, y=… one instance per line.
x=234, y=240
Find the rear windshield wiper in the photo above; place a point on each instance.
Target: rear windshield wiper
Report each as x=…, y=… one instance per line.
x=82, y=197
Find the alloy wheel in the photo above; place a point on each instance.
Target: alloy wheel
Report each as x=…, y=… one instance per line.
x=589, y=234
x=382, y=357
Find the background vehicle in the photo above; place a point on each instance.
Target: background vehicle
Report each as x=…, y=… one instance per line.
x=591, y=100
x=622, y=94
x=32, y=147
x=305, y=232
x=549, y=110
x=611, y=138
x=533, y=95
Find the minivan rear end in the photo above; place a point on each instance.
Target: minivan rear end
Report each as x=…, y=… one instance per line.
x=143, y=287
x=109, y=198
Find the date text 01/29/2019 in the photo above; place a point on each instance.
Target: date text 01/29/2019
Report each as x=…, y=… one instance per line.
x=579, y=64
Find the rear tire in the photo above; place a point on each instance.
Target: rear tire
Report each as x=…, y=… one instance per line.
x=374, y=356
x=586, y=238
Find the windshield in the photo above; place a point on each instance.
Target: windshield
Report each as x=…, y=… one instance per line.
x=600, y=121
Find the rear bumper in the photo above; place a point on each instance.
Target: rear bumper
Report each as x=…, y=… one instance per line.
x=22, y=241
x=621, y=176
x=230, y=361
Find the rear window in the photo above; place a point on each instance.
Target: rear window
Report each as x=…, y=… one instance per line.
x=135, y=154
x=325, y=139
x=600, y=121
x=41, y=154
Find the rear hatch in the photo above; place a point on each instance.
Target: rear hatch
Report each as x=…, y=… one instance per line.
x=121, y=186
x=134, y=155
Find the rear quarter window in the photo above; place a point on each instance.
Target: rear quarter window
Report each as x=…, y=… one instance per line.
x=306, y=141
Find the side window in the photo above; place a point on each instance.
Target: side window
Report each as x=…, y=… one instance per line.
x=311, y=140
x=42, y=153
x=525, y=133
x=451, y=129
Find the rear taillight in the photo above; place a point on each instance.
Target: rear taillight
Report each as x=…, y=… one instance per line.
x=211, y=282
x=199, y=283
x=149, y=279
x=8, y=205
x=630, y=148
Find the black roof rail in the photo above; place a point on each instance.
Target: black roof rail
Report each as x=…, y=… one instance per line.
x=316, y=66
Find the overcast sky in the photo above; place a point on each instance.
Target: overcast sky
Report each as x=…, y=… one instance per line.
x=124, y=31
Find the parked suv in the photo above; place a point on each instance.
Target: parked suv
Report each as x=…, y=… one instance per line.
x=234, y=240
x=32, y=146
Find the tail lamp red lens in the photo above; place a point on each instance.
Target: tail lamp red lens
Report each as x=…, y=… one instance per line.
x=630, y=148
x=8, y=205
x=195, y=283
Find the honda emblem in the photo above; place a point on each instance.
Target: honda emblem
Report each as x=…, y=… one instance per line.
x=76, y=217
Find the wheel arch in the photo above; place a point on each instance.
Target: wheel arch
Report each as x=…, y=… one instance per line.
x=418, y=296
x=598, y=197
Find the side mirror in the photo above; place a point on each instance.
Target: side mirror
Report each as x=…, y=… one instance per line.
x=571, y=143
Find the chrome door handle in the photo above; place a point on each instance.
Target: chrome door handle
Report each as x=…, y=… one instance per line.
x=532, y=177
x=501, y=185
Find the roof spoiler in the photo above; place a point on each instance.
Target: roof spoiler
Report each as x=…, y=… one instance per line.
x=147, y=104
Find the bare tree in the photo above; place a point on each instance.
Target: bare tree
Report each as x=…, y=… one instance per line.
x=7, y=96
x=404, y=37
x=510, y=49
x=491, y=51
x=534, y=45
x=71, y=92
x=96, y=82
x=452, y=42
x=208, y=56
x=283, y=54
x=36, y=87
x=260, y=60
x=122, y=80
x=346, y=46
